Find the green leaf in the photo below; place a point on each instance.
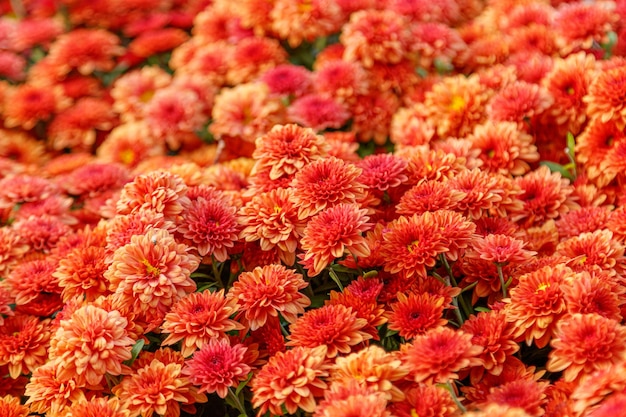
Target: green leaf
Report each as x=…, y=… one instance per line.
x=137, y=347
x=571, y=144
x=608, y=46
x=483, y=309
x=243, y=384
x=554, y=167
x=335, y=278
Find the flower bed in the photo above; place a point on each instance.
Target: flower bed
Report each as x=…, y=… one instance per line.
x=312, y=207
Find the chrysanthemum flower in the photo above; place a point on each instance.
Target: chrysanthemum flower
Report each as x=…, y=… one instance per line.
x=207, y=60
x=269, y=338
x=583, y=220
x=156, y=41
x=12, y=66
x=291, y=379
x=23, y=344
x=23, y=148
x=10, y=407
x=31, y=104
x=537, y=303
x=593, y=389
x=217, y=366
x=246, y=111
x=286, y=149
x=594, y=250
x=435, y=43
x=86, y=50
x=98, y=406
x=331, y=233
x=252, y=56
x=211, y=226
x=584, y=343
x=35, y=288
x=596, y=293
x=456, y=104
x=91, y=343
x=351, y=398
x=272, y=219
x=341, y=80
x=414, y=314
x=120, y=229
x=334, y=326
x=491, y=331
x=500, y=249
x=428, y=400
x=579, y=25
x=199, y=318
x=457, y=231
x=41, y=233
x=21, y=188
x=603, y=98
x=411, y=244
x=410, y=126
x=527, y=395
x=594, y=144
x=375, y=36
x=382, y=172
x=439, y=354
x=519, y=102
x=128, y=143
x=288, y=80
x=429, y=196
x=318, y=112
x=544, y=196
x=48, y=394
x=133, y=90
x=503, y=148
x=305, y=21
x=157, y=388
x=159, y=191
x=325, y=183
x=372, y=114
x=373, y=368
x=150, y=274
x=267, y=291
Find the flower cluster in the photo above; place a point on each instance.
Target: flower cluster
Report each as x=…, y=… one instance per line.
x=313, y=207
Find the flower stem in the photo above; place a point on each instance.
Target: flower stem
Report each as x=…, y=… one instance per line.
x=451, y=281
x=455, y=398
x=501, y=276
x=236, y=402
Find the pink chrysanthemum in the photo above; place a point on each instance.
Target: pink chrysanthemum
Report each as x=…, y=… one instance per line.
x=331, y=233
x=288, y=80
x=199, y=318
x=268, y=291
x=318, y=112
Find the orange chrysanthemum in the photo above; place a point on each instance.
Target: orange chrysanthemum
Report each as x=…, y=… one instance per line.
x=272, y=219
x=426, y=400
x=31, y=104
x=23, y=344
x=12, y=247
x=157, y=388
x=81, y=272
x=291, y=379
x=86, y=50
x=341, y=80
x=211, y=227
x=596, y=292
x=91, y=343
x=331, y=233
x=429, y=196
x=372, y=114
x=99, y=406
x=603, y=100
x=252, y=56
x=439, y=354
x=500, y=249
x=217, y=366
x=537, y=303
x=375, y=36
x=373, y=368
x=150, y=274
x=35, y=288
x=411, y=244
x=268, y=291
x=527, y=395
x=48, y=394
x=579, y=25
x=10, y=407
x=134, y=90
x=351, y=398
x=519, y=102
x=298, y=21
x=286, y=149
x=325, y=183
x=334, y=326
x=491, y=331
x=593, y=251
x=318, y=112
x=584, y=343
x=41, y=233
x=199, y=318
x=414, y=314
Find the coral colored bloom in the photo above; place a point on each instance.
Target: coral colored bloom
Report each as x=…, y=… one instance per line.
x=48, y=394
x=373, y=368
x=351, y=398
x=272, y=219
x=291, y=379
x=593, y=251
x=593, y=293
x=305, y=20
x=413, y=314
x=584, y=343
x=35, y=288
x=157, y=388
x=91, y=343
x=32, y=104
x=199, y=318
x=100, y=406
x=525, y=394
x=318, y=112
x=334, y=326
x=217, y=366
x=426, y=400
x=211, y=226
x=429, y=196
x=579, y=25
x=331, y=233
x=81, y=272
x=252, y=56
x=439, y=354
x=86, y=50
x=517, y=102
x=411, y=244
x=41, y=233
x=268, y=291
x=23, y=344
x=500, y=249
x=288, y=79
x=10, y=407
x=324, y=183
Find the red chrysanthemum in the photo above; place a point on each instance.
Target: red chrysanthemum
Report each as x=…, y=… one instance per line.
x=372, y=114
x=519, y=102
x=411, y=244
x=35, y=288
x=584, y=343
x=382, y=172
x=436, y=44
x=597, y=293
x=527, y=395
x=579, y=25
x=439, y=354
x=32, y=104
x=24, y=344
x=199, y=318
x=500, y=249
x=334, y=326
x=288, y=80
x=429, y=196
x=268, y=291
x=414, y=314
x=341, y=80
x=537, y=303
x=331, y=233
x=325, y=183
x=211, y=226
x=291, y=379
x=86, y=50
x=252, y=56
x=318, y=112
x=217, y=366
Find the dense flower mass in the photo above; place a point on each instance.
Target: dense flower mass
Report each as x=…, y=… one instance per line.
x=313, y=207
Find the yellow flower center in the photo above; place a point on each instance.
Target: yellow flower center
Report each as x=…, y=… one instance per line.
x=457, y=103
x=277, y=209
x=150, y=269
x=127, y=156
x=305, y=6
x=146, y=96
x=411, y=247
x=414, y=413
x=542, y=287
